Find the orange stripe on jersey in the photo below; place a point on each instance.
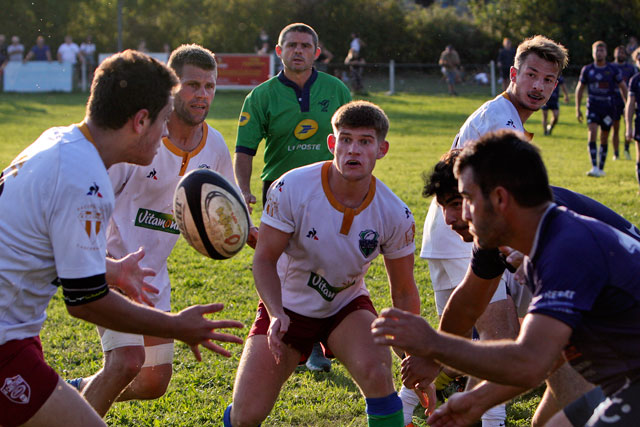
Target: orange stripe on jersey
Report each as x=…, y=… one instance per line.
x=187, y=155
x=349, y=213
x=86, y=132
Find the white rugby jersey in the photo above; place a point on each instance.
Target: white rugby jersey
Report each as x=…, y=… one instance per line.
x=143, y=214
x=439, y=241
x=55, y=199
x=323, y=266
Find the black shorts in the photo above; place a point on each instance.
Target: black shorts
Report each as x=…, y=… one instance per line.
x=580, y=410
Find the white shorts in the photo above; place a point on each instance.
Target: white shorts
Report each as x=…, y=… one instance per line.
x=154, y=355
x=446, y=275
x=520, y=294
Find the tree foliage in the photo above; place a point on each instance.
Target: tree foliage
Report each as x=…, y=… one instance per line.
x=403, y=30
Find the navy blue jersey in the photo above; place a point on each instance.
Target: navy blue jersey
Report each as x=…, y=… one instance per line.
x=586, y=274
x=634, y=90
x=626, y=70
x=556, y=92
x=602, y=83
x=490, y=263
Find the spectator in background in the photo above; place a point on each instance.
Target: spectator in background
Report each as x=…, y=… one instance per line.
x=88, y=50
x=355, y=61
x=142, y=46
x=450, y=61
x=40, y=52
x=324, y=58
x=15, y=49
x=263, y=43
x=506, y=54
x=69, y=51
x=356, y=44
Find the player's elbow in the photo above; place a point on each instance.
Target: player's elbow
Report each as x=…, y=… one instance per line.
x=80, y=311
x=529, y=373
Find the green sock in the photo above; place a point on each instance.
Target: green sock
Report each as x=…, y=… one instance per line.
x=395, y=419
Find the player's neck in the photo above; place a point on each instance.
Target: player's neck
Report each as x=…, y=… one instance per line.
x=523, y=113
x=298, y=77
x=349, y=193
x=184, y=135
x=108, y=142
x=600, y=63
x=525, y=223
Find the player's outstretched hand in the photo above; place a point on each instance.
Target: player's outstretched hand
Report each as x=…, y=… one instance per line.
x=403, y=330
x=130, y=278
x=579, y=116
x=418, y=372
x=194, y=329
x=459, y=410
x=277, y=328
x=428, y=398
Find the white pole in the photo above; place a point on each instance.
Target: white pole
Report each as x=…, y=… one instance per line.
x=392, y=77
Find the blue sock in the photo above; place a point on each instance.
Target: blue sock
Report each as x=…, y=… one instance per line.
x=385, y=411
x=603, y=155
x=226, y=419
x=593, y=152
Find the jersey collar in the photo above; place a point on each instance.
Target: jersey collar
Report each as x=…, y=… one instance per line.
x=348, y=213
x=303, y=96
x=187, y=155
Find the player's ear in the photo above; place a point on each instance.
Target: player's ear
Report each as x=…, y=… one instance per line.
x=278, y=50
x=383, y=148
x=513, y=72
x=318, y=50
x=140, y=120
x=499, y=198
x=331, y=143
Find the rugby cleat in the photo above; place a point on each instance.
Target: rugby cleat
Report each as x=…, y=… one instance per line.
x=317, y=361
x=595, y=172
x=75, y=383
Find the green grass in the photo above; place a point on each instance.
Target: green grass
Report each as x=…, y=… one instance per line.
x=423, y=124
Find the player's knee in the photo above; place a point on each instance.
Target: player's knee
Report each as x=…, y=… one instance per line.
x=154, y=383
x=125, y=362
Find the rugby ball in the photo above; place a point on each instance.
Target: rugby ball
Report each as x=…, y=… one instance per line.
x=211, y=214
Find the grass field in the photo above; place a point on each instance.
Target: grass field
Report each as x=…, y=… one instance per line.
x=423, y=124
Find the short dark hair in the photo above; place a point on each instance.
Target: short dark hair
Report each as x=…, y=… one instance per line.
x=192, y=54
x=441, y=181
x=126, y=83
x=545, y=48
x=361, y=114
x=298, y=27
x=506, y=159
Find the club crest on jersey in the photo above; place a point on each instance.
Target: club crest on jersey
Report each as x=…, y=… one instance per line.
x=312, y=234
x=510, y=123
x=91, y=220
x=204, y=166
x=368, y=242
x=244, y=119
x=324, y=105
x=94, y=190
x=16, y=389
x=306, y=129
x=153, y=174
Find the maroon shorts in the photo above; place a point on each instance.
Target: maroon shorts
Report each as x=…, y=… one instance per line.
x=305, y=331
x=26, y=381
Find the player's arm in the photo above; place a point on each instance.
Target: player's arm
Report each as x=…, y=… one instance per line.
x=467, y=303
x=404, y=292
x=243, y=166
x=114, y=311
x=127, y=275
x=28, y=56
x=524, y=362
x=271, y=245
x=579, y=91
x=629, y=111
x=623, y=89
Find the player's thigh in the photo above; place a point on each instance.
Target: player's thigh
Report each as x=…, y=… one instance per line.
x=65, y=407
x=259, y=378
x=499, y=319
x=368, y=363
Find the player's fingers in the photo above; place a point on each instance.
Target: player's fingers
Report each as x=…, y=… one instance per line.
x=149, y=288
x=139, y=254
x=196, y=352
x=218, y=336
x=148, y=272
x=224, y=324
x=216, y=348
x=146, y=300
x=210, y=308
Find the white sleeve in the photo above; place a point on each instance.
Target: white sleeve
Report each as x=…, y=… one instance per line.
x=278, y=212
x=77, y=224
x=401, y=241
